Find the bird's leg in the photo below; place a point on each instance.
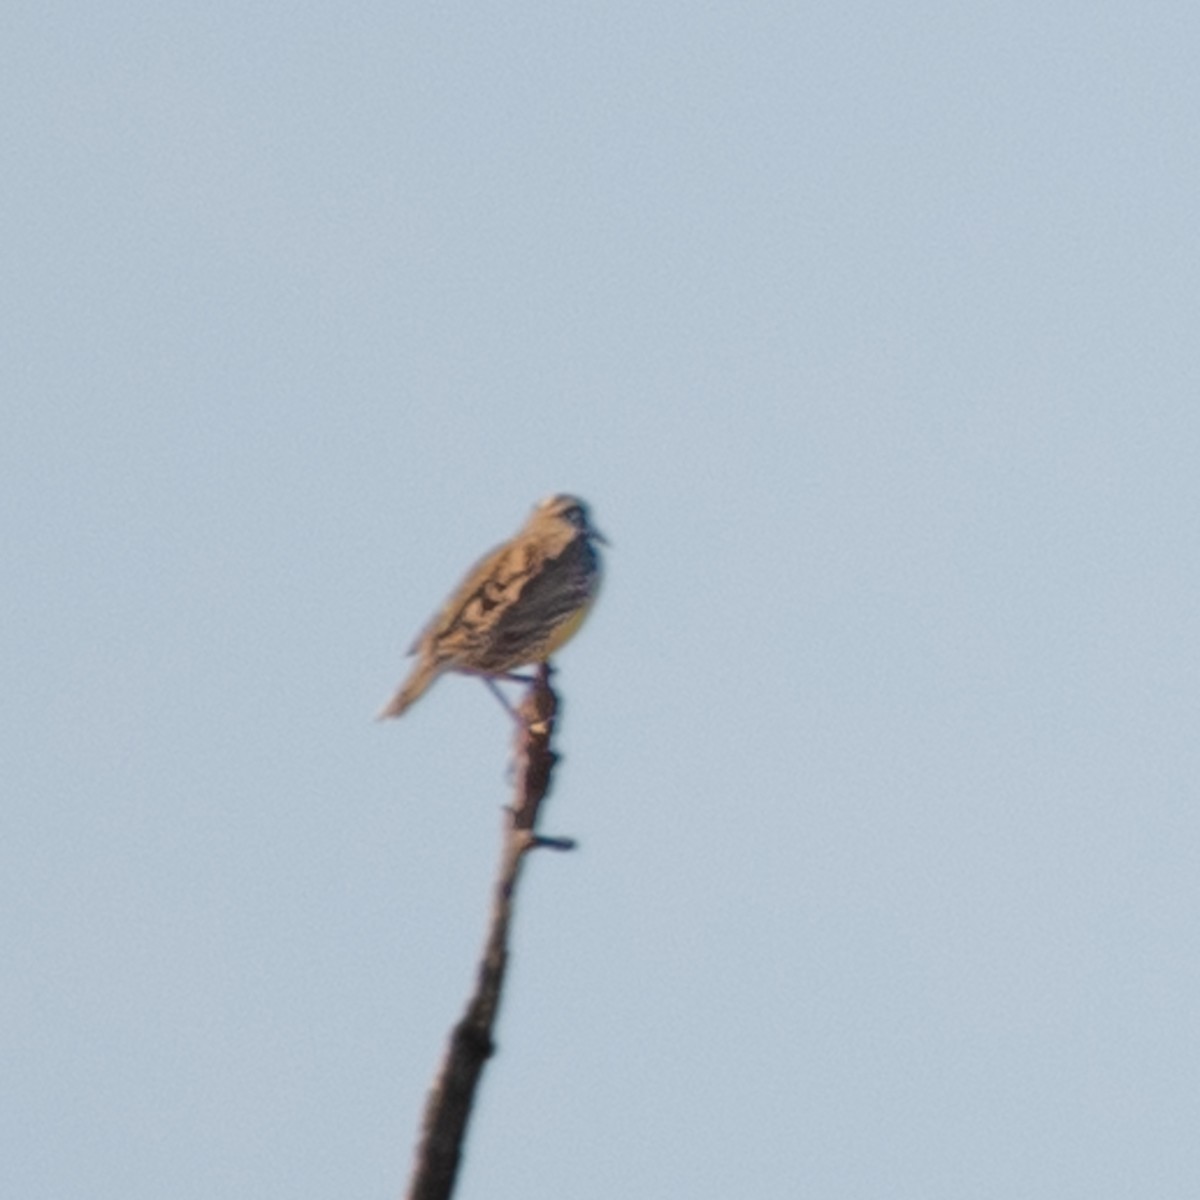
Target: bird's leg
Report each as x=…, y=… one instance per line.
x=494, y=688
x=508, y=677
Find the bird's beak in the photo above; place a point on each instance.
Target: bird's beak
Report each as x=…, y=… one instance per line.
x=597, y=536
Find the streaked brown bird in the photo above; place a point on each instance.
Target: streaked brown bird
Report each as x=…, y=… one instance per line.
x=516, y=606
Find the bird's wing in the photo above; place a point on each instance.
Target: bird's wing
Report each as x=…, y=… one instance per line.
x=492, y=584
x=555, y=590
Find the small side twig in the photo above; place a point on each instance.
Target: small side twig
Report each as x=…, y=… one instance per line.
x=452, y=1097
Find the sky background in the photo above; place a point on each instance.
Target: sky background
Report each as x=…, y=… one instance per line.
x=870, y=333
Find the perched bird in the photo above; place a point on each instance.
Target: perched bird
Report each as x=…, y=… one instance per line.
x=516, y=606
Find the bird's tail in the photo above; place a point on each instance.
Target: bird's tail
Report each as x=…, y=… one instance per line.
x=419, y=681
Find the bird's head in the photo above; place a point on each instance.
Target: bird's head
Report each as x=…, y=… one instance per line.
x=571, y=511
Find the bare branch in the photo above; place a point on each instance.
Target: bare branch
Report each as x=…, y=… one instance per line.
x=452, y=1097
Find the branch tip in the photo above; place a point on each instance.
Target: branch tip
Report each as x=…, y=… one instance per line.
x=541, y=841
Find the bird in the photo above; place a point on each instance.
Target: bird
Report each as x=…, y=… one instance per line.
x=518, y=605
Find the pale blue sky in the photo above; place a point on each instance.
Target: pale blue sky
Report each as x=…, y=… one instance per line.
x=869, y=332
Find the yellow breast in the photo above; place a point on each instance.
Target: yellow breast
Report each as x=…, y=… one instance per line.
x=563, y=632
